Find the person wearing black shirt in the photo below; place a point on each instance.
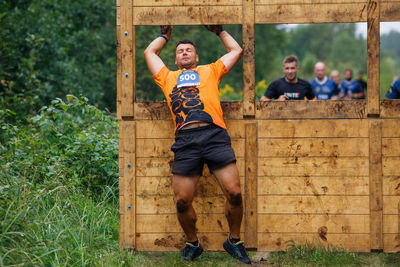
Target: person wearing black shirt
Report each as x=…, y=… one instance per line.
x=289, y=87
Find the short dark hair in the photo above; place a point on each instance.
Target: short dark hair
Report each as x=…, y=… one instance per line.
x=346, y=70
x=186, y=42
x=290, y=59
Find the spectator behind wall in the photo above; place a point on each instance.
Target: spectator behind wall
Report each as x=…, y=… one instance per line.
x=394, y=90
x=349, y=88
x=289, y=87
x=323, y=87
x=335, y=75
x=361, y=82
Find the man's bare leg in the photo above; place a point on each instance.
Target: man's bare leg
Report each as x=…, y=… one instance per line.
x=228, y=178
x=184, y=187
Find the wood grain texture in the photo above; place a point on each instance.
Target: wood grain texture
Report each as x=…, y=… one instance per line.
x=128, y=186
x=389, y=10
x=390, y=128
x=248, y=36
x=391, y=185
x=187, y=15
x=358, y=185
x=312, y=128
x=280, y=241
x=313, y=204
x=127, y=59
x=310, y=12
x=373, y=57
x=250, y=185
x=390, y=108
x=391, y=242
x=390, y=205
x=309, y=147
x=313, y=223
x=175, y=3
x=375, y=183
x=311, y=109
x=307, y=167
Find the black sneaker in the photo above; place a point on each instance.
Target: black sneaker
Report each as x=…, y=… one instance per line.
x=237, y=251
x=190, y=252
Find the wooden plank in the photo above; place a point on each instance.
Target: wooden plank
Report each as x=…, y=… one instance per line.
x=391, y=185
x=313, y=223
x=301, y=2
x=335, y=147
x=310, y=13
x=375, y=183
x=207, y=186
x=390, y=128
x=312, y=128
x=391, y=243
x=248, y=36
x=391, y=224
x=187, y=15
x=313, y=204
x=391, y=147
x=118, y=16
x=165, y=129
x=390, y=108
x=176, y=241
x=390, y=10
x=119, y=73
x=168, y=223
x=160, y=110
x=121, y=186
x=250, y=186
x=165, y=205
x=321, y=166
x=391, y=166
x=129, y=189
x=153, y=167
x=175, y=3
x=354, y=109
x=281, y=241
x=373, y=57
x=313, y=185
x=390, y=205
x=128, y=58
x=161, y=148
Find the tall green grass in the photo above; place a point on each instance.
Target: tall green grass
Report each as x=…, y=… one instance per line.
x=58, y=186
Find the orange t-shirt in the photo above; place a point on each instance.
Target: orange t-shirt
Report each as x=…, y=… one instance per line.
x=192, y=95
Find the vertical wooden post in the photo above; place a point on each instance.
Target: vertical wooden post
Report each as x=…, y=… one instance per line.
x=373, y=52
x=375, y=184
x=250, y=185
x=127, y=184
x=127, y=37
x=248, y=36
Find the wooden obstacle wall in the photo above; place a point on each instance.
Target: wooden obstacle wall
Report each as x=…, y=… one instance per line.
x=322, y=171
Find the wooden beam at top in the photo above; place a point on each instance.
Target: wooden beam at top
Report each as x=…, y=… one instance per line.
x=187, y=15
x=373, y=59
x=170, y=3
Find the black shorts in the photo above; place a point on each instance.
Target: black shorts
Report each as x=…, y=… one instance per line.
x=194, y=147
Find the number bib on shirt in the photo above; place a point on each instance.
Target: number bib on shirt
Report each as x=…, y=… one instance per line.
x=188, y=78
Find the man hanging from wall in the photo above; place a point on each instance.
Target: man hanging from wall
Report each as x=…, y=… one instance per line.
x=289, y=87
x=200, y=133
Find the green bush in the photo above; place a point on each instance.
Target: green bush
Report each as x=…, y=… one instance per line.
x=59, y=185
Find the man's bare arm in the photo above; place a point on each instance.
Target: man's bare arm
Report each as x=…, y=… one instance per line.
x=154, y=62
x=232, y=47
